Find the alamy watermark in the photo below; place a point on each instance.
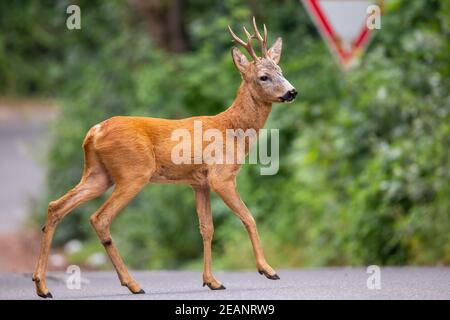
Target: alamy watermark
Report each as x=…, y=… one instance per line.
x=214, y=146
x=374, y=280
x=73, y=280
x=373, y=20
x=73, y=22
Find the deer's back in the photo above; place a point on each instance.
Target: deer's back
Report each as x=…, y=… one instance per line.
x=138, y=143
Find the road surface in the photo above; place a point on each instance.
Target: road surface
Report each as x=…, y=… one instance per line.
x=23, y=141
x=328, y=283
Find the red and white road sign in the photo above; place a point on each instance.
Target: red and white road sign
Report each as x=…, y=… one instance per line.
x=343, y=25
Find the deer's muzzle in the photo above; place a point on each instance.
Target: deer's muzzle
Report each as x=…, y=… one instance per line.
x=289, y=96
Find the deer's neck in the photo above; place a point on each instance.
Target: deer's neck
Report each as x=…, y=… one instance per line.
x=246, y=111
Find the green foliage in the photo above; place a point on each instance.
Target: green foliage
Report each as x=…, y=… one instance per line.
x=364, y=173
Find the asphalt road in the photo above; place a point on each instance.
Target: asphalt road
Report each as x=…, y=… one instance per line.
x=329, y=283
x=23, y=141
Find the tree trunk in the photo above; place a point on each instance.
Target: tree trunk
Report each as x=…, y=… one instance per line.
x=165, y=23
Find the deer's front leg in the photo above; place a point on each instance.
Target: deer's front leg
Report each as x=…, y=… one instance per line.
x=226, y=189
x=202, y=199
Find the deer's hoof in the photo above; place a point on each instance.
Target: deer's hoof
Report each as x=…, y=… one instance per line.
x=221, y=287
x=45, y=295
x=139, y=292
x=268, y=276
x=273, y=277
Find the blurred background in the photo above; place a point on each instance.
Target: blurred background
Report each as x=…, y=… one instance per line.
x=364, y=155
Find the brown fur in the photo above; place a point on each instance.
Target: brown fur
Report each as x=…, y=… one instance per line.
x=130, y=152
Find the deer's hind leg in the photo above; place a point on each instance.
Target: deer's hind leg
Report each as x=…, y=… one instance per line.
x=129, y=180
x=101, y=221
x=94, y=182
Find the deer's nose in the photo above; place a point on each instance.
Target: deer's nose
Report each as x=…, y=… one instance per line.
x=289, y=96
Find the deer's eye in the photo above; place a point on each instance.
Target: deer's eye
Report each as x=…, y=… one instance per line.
x=263, y=78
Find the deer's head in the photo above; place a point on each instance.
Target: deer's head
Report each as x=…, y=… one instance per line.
x=263, y=75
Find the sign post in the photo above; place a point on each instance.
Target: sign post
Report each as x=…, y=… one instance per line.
x=345, y=26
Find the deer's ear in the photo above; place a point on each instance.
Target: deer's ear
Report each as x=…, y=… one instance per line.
x=274, y=53
x=239, y=59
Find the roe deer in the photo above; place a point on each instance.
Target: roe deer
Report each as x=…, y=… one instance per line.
x=130, y=152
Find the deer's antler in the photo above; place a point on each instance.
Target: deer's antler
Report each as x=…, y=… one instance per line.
x=248, y=45
x=262, y=41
